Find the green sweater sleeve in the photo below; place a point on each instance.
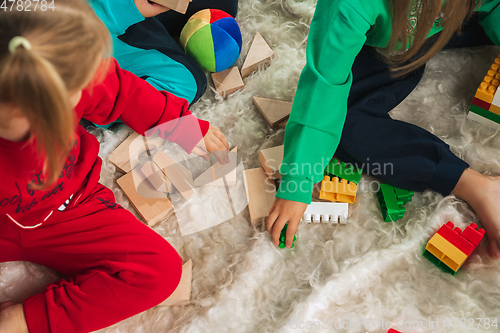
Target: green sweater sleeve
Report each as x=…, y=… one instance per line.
x=337, y=34
x=489, y=19
x=118, y=15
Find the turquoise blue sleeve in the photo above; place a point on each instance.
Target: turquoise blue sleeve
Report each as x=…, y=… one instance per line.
x=337, y=34
x=489, y=19
x=118, y=15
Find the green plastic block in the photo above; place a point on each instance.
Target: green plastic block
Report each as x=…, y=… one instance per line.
x=438, y=263
x=391, y=200
x=282, y=243
x=341, y=170
x=485, y=113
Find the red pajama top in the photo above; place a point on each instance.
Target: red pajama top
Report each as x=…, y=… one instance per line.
x=120, y=94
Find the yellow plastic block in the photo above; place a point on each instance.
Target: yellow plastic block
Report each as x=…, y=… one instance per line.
x=490, y=83
x=495, y=109
x=338, y=190
x=446, y=252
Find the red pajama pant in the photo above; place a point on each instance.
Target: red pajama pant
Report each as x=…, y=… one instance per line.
x=116, y=266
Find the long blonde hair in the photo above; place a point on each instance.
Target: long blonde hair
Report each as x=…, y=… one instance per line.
x=66, y=43
x=452, y=14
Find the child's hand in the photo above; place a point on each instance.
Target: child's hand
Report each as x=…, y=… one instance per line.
x=149, y=9
x=214, y=142
x=281, y=212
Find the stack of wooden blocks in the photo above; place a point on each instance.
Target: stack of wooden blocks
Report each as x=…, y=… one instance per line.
x=148, y=181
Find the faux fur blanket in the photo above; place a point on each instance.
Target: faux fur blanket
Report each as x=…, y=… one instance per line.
x=359, y=277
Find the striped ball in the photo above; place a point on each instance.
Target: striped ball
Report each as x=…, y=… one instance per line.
x=213, y=38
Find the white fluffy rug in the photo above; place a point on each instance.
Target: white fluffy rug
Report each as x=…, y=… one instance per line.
x=337, y=276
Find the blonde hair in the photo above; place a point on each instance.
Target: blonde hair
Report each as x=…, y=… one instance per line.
x=65, y=45
x=452, y=13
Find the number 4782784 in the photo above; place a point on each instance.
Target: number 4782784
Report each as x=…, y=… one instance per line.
x=27, y=5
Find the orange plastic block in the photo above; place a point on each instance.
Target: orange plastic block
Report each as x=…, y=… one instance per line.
x=490, y=83
x=338, y=190
x=446, y=252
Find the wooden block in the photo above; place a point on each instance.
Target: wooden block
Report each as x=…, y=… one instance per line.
x=156, y=177
x=179, y=176
x=274, y=111
x=228, y=81
x=260, y=192
x=152, y=206
x=182, y=294
x=259, y=54
x=180, y=6
x=213, y=176
x=271, y=159
x=283, y=124
x=126, y=156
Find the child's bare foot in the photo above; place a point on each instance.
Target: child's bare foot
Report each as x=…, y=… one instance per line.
x=482, y=193
x=12, y=318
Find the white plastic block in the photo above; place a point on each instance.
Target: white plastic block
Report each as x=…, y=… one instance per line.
x=326, y=212
x=496, y=99
x=482, y=120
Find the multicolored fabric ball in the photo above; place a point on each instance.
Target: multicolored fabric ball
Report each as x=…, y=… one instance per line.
x=213, y=38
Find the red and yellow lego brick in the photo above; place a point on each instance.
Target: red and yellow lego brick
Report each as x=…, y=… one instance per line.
x=333, y=189
x=453, y=246
x=489, y=86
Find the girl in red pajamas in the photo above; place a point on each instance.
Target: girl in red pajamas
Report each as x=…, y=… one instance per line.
x=53, y=211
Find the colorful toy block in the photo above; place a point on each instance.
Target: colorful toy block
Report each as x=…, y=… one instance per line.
x=335, y=189
x=341, y=170
x=275, y=112
x=282, y=243
x=482, y=104
x=228, y=81
x=485, y=107
x=391, y=330
x=484, y=117
x=452, y=247
x=259, y=54
x=391, y=200
x=271, y=159
x=326, y=212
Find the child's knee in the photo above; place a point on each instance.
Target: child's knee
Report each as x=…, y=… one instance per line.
x=162, y=273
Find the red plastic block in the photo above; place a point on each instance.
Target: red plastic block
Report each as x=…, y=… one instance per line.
x=482, y=104
x=393, y=331
x=464, y=245
x=448, y=233
x=472, y=235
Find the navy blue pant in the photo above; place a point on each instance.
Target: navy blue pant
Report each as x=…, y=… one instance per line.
x=401, y=154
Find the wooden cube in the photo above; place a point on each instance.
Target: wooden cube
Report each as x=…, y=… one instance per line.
x=151, y=205
x=228, y=81
x=260, y=192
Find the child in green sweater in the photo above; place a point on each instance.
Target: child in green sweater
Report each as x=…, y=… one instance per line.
x=363, y=58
